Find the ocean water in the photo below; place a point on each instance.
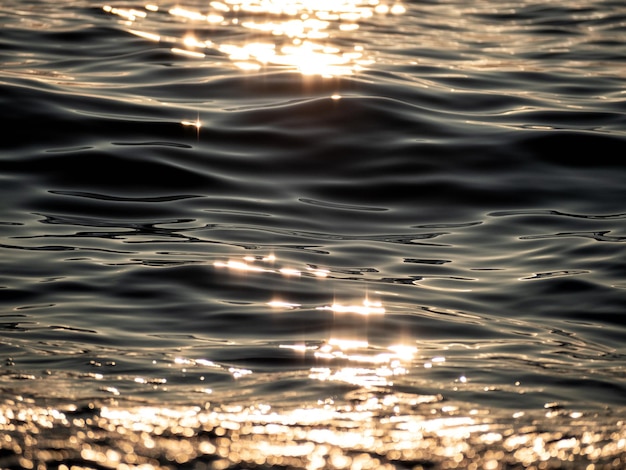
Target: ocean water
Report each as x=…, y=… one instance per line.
x=349, y=234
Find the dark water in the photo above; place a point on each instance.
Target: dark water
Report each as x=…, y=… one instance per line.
x=293, y=234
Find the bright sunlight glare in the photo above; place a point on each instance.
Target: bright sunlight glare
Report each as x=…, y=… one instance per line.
x=313, y=37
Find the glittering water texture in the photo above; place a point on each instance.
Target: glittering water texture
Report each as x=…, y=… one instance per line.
x=291, y=234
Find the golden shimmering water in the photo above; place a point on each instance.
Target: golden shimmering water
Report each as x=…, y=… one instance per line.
x=312, y=37
x=214, y=256
x=375, y=430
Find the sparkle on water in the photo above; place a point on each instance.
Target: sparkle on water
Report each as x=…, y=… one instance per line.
x=376, y=430
x=307, y=36
x=376, y=424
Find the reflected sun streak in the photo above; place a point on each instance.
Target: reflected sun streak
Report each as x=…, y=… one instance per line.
x=368, y=308
x=298, y=34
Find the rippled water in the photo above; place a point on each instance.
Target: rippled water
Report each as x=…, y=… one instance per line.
x=295, y=234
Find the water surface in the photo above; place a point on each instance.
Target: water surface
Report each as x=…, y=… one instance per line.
x=352, y=234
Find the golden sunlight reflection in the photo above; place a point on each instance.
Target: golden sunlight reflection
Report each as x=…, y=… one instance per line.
x=269, y=265
x=368, y=367
x=266, y=264
x=146, y=35
x=241, y=266
x=312, y=37
x=188, y=53
x=196, y=123
x=368, y=308
x=372, y=430
x=282, y=304
x=352, y=361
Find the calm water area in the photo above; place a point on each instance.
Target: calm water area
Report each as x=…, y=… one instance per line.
x=294, y=234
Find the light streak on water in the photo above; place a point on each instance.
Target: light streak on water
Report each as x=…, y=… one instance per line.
x=313, y=38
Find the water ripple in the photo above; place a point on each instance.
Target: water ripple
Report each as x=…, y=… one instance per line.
x=333, y=205
x=334, y=235
x=106, y=197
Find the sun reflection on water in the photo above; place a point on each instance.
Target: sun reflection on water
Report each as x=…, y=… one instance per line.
x=348, y=360
x=367, y=368
x=312, y=37
x=373, y=431
x=266, y=264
